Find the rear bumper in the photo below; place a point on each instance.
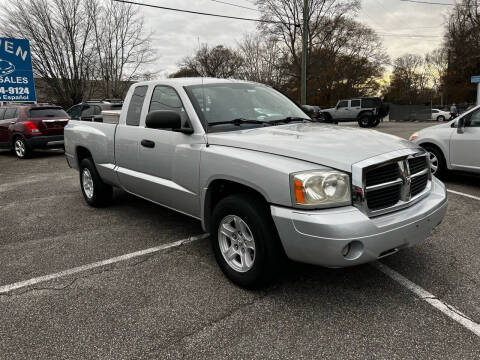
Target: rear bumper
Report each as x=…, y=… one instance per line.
x=55, y=141
x=318, y=237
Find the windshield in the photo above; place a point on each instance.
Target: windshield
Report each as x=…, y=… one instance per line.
x=225, y=102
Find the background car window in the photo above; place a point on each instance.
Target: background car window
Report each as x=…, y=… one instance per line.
x=474, y=119
x=136, y=104
x=75, y=112
x=10, y=113
x=2, y=113
x=87, y=110
x=368, y=103
x=37, y=113
x=355, y=103
x=343, y=104
x=435, y=111
x=166, y=98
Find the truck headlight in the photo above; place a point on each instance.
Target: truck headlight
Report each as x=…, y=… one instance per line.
x=320, y=189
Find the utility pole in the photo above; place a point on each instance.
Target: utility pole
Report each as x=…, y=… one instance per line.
x=303, y=89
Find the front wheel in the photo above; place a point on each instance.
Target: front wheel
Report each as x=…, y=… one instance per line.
x=441, y=118
x=95, y=192
x=245, y=241
x=437, y=161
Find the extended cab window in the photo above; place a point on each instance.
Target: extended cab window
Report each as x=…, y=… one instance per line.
x=355, y=103
x=368, y=103
x=342, y=104
x=166, y=98
x=136, y=104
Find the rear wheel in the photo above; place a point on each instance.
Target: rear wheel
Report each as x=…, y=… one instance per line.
x=95, y=192
x=441, y=118
x=245, y=241
x=364, y=121
x=21, y=148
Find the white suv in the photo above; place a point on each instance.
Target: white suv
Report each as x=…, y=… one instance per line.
x=454, y=145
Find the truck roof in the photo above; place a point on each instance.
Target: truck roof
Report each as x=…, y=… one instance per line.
x=191, y=81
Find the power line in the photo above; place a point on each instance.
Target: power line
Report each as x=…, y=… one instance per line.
x=205, y=14
x=236, y=5
x=429, y=2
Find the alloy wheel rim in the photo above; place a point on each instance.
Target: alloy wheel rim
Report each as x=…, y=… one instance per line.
x=87, y=183
x=433, y=163
x=237, y=243
x=20, y=148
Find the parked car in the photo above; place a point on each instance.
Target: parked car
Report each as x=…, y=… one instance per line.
x=440, y=115
x=454, y=145
x=263, y=186
x=314, y=112
x=92, y=109
x=24, y=128
x=368, y=112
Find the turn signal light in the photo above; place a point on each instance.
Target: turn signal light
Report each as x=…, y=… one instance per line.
x=31, y=127
x=299, y=195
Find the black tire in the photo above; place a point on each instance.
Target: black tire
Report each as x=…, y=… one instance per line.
x=328, y=118
x=268, y=251
x=21, y=148
x=364, y=121
x=101, y=193
x=375, y=122
x=441, y=118
x=437, y=160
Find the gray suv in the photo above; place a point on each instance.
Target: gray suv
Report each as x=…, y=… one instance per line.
x=368, y=112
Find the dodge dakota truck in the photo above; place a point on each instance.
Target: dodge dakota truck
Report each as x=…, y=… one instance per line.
x=265, y=181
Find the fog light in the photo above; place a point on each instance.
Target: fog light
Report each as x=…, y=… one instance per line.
x=353, y=250
x=346, y=250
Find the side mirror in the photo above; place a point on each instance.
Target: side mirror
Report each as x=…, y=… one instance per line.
x=163, y=119
x=461, y=125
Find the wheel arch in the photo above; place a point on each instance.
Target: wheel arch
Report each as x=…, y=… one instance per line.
x=445, y=154
x=220, y=188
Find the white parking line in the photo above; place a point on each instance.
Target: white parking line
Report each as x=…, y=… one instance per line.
x=423, y=294
x=21, y=284
x=463, y=194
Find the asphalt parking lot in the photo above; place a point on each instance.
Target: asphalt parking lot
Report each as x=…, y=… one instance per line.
x=174, y=302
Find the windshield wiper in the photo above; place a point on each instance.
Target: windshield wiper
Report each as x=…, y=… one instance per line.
x=240, y=121
x=289, y=119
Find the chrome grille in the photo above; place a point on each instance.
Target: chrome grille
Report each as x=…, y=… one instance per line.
x=393, y=184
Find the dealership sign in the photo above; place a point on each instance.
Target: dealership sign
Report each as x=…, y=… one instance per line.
x=16, y=75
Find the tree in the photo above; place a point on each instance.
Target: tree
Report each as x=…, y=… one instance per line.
x=120, y=44
x=219, y=62
x=60, y=37
x=410, y=82
x=263, y=60
x=75, y=42
x=462, y=47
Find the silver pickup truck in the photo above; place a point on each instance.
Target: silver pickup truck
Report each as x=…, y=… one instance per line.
x=266, y=182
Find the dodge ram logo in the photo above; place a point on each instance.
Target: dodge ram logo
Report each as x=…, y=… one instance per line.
x=6, y=67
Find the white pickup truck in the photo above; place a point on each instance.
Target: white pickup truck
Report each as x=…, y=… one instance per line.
x=265, y=181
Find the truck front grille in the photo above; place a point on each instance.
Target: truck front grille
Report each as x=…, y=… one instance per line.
x=396, y=183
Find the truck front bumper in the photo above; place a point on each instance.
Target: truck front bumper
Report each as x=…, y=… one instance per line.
x=345, y=236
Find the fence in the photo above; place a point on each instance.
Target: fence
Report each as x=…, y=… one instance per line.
x=420, y=112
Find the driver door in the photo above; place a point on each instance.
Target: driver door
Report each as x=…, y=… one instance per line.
x=343, y=110
x=465, y=148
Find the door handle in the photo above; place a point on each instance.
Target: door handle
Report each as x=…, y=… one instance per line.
x=148, y=143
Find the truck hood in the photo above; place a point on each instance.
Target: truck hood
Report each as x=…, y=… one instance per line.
x=334, y=146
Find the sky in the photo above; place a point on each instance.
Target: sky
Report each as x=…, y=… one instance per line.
x=176, y=35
